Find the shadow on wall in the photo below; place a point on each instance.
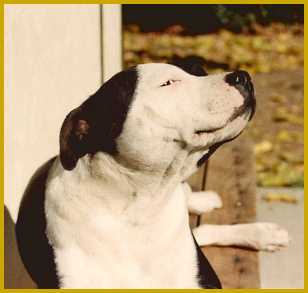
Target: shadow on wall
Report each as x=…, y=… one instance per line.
x=15, y=274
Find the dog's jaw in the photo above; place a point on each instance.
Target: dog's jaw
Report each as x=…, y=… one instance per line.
x=229, y=131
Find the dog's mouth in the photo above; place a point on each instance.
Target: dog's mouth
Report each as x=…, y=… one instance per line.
x=211, y=130
x=249, y=106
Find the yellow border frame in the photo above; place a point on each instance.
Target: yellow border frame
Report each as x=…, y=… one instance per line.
x=137, y=2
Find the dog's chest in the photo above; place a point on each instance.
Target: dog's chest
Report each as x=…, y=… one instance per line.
x=120, y=262
x=96, y=249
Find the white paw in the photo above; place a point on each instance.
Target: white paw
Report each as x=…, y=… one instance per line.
x=204, y=201
x=213, y=199
x=269, y=237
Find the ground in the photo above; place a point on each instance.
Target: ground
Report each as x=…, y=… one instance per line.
x=285, y=268
x=277, y=129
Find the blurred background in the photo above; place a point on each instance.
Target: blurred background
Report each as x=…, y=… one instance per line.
x=57, y=55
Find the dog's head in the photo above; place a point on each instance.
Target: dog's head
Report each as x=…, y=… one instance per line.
x=145, y=114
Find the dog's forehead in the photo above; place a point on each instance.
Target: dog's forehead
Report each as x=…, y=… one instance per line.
x=159, y=71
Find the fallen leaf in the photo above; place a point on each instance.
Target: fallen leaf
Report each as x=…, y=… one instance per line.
x=263, y=147
x=287, y=198
x=291, y=157
x=276, y=98
x=284, y=136
x=282, y=114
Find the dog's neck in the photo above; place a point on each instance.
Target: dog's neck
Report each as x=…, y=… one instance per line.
x=146, y=181
x=122, y=190
x=108, y=187
x=130, y=185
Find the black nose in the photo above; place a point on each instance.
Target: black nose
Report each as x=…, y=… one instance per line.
x=242, y=82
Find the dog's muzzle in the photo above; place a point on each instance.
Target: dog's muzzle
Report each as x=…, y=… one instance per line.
x=241, y=80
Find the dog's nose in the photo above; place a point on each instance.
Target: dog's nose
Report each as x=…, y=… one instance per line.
x=241, y=80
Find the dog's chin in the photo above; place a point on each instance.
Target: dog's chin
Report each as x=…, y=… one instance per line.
x=230, y=131
x=247, y=111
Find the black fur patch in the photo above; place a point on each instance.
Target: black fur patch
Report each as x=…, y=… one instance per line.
x=206, y=274
x=35, y=251
x=191, y=64
x=95, y=125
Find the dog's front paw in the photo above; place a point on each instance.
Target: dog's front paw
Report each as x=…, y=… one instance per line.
x=204, y=201
x=270, y=237
x=213, y=199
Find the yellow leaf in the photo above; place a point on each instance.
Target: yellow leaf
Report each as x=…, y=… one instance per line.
x=263, y=147
x=271, y=197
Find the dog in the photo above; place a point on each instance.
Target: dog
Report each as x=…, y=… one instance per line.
x=111, y=211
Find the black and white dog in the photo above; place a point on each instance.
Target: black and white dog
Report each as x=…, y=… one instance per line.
x=111, y=211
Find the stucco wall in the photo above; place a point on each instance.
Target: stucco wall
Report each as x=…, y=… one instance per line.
x=52, y=63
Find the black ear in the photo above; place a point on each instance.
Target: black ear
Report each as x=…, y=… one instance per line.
x=96, y=124
x=191, y=64
x=73, y=138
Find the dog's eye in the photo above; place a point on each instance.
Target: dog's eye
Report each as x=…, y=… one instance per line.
x=168, y=82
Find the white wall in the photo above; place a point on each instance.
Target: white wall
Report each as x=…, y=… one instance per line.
x=52, y=63
x=111, y=39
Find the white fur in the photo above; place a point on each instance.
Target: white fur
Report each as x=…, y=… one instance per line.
x=259, y=236
x=116, y=235
x=122, y=221
x=201, y=201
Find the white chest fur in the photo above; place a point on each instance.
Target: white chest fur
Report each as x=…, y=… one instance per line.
x=107, y=240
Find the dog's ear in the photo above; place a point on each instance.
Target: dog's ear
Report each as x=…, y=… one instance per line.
x=73, y=138
x=191, y=64
x=96, y=124
x=197, y=70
